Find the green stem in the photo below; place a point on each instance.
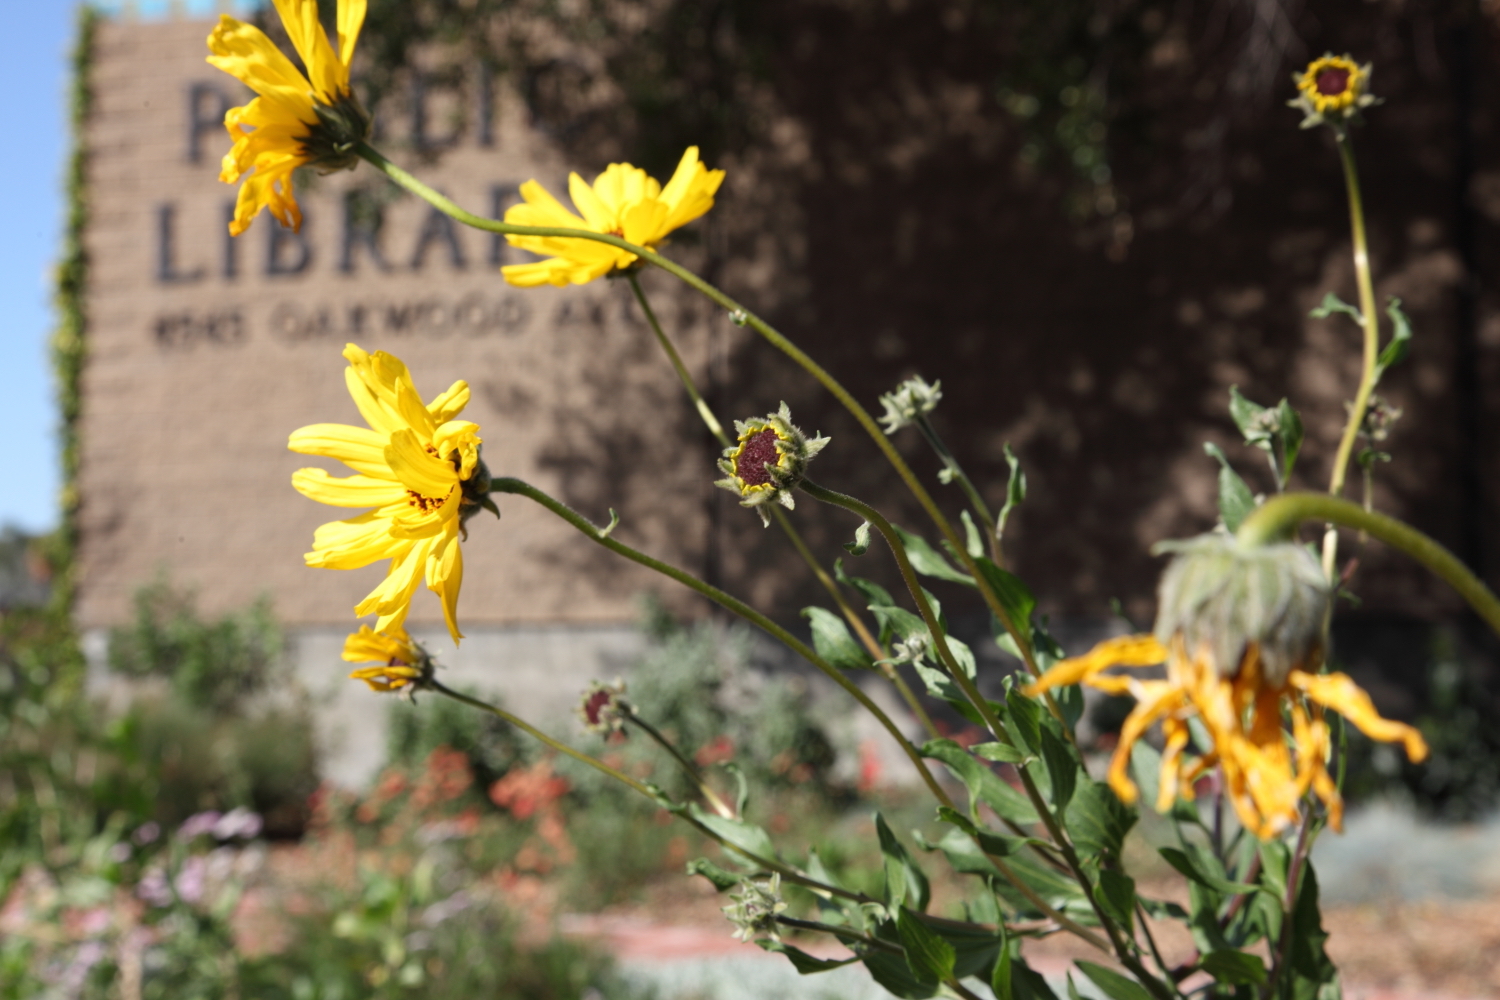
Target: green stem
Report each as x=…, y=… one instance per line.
x=731, y=603
x=450, y=208
x=770, y=864
x=688, y=767
x=782, y=521
x=714, y=427
x=1278, y=517
x=981, y=509
x=1371, y=326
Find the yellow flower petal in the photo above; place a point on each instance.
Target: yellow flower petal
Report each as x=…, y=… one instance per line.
x=1340, y=693
x=350, y=491
x=354, y=543
x=420, y=471
x=360, y=448
x=1124, y=651
x=351, y=17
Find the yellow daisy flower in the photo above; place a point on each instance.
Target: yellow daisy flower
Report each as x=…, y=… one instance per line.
x=294, y=122
x=1332, y=84
x=400, y=662
x=1241, y=635
x=622, y=201
x=417, y=466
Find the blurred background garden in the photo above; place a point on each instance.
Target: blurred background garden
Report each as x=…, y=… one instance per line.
x=1088, y=219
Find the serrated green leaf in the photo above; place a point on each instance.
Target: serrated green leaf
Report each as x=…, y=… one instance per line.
x=1000, y=753
x=1291, y=439
x=1235, y=499
x=929, y=956
x=1310, y=962
x=872, y=592
x=1014, y=596
x=928, y=561
x=804, y=963
x=973, y=540
x=1062, y=767
x=904, y=879
x=1333, y=304
x=721, y=878
x=899, y=623
x=1230, y=966
x=995, y=844
x=1400, y=345
x=1197, y=866
x=736, y=831
x=861, y=543
x=984, y=785
x=1117, y=896
x=833, y=642
x=1114, y=985
x=1097, y=820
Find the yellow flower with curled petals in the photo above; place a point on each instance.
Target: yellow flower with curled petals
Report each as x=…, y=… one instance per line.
x=1241, y=634
x=623, y=201
x=400, y=662
x=419, y=469
x=296, y=120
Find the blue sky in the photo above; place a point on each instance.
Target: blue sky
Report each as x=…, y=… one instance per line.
x=32, y=173
x=35, y=72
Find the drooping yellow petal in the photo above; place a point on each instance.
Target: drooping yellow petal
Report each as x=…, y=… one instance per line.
x=1155, y=699
x=1340, y=693
x=354, y=543
x=1124, y=651
x=392, y=597
x=445, y=575
x=368, y=645
x=351, y=18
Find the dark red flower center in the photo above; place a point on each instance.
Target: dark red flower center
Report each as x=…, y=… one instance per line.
x=595, y=705
x=1332, y=82
x=759, y=450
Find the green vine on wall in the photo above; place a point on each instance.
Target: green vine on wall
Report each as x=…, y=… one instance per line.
x=69, y=339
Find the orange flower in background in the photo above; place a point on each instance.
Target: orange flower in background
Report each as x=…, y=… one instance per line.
x=419, y=469
x=295, y=121
x=1240, y=631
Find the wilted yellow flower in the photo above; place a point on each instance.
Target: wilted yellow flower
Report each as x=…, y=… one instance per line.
x=623, y=201
x=1241, y=633
x=417, y=466
x=400, y=662
x=293, y=122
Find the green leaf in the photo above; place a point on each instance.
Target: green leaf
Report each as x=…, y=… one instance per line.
x=996, y=844
x=736, y=831
x=1197, y=868
x=1235, y=499
x=1015, y=490
x=904, y=880
x=804, y=963
x=973, y=540
x=895, y=976
x=1395, y=352
x=872, y=592
x=928, y=561
x=1000, y=753
x=984, y=785
x=975, y=948
x=1230, y=966
x=1014, y=596
x=1026, y=719
x=1097, y=820
x=1117, y=896
x=1333, y=304
x=1311, y=967
x=1027, y=984
x=1001, y=976
x=899, y=623
x=929, y=956
x=1114, y=985
x=861, y=543
x=1145, y=761
x=1291, y=438
x=1062, y=768
x=1250, y=418
x=833, y=642
x=721, y=878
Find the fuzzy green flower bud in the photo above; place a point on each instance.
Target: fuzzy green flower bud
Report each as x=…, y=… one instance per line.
x=912, y=399
x=768, y=461
x=1223, y=597
x=754, y=909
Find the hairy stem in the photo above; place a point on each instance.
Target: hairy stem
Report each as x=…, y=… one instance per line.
x=688, y=767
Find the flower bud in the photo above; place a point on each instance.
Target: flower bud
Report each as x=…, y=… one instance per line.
x=402, y=663
x=755, y=908
x=1332, y=91
x=769, y=460
x=912, y=399
x=604, y=708
x=1228, y=600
